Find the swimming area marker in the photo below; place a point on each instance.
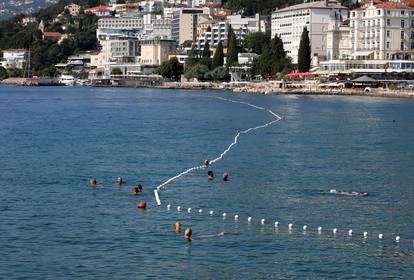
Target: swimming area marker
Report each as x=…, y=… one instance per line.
x=276, y=118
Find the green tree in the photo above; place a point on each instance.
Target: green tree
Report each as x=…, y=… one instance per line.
x=304, y=52
x=219, y=74
x=273, y=59
x=193, y=57
x=256, y=42
x=218, y=58
x=116, y=71
x=206, y=55
x=196, y=71
x=3, y=73
x=171, y=69
x=232, y=49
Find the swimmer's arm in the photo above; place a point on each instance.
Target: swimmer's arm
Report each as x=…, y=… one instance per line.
x=209, y=236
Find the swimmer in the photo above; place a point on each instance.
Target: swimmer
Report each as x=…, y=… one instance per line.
x=238, y=132
x=93, y=182
x=210, y=175
x=187, y=234
x=206, y=162
x=349, y=193
x=119, y=180
x=177, y=227
x=225, y=176
x=137, y=190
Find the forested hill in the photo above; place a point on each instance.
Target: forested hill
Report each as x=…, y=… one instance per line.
x=80, y=32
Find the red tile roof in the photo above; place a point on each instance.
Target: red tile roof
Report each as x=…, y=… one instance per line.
x=100, y=8
x=52, y=35
x=393, y=5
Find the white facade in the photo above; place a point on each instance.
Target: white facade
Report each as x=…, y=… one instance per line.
x=217, y=34
x=378, y=31
x=115, y=50
x=338, y=40
x=14, y=58
x=154, y=52
x=245, y=25
x=184, y=24
x=288, y=24
x=119, y=26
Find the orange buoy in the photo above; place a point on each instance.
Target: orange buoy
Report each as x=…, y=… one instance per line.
x=142, y=204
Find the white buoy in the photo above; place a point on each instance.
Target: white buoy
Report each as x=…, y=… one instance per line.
x=262, y=221
x=290, y=226
x=249, y=219
x=168, y=206
x=178, y=208
x=335, y=230
x=200, y=211
x=236, y=217
x=350, y=232
x=211, y=212
x=365, y=234
x=224, y=215
x=380, y=236
x=189, y=210
x=397, y=239
x=305, y=227
x=276, y=224
x=319, y=230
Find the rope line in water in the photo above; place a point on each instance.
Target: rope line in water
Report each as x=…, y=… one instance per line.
x=305, y=228
x=278, y=118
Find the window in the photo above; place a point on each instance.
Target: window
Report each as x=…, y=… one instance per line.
x=402, y=35
x=402, y=23
x=412, y=45
x=402, y=46
x=388, y=33
x=412, y=34
x=412, y=23
x=379, y=12
x=402, y=12
x=353, y=14
x=363, y=14
x=388, y=12
x=388, y=22
x=388, y=45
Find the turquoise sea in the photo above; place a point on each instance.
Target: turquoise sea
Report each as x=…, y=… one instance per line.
x=53, y=225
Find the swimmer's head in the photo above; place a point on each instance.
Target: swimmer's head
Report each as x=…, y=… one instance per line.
x=187, y=234
x=225, y=176
x=92, y=182
x=177, y=227
x=206, y=162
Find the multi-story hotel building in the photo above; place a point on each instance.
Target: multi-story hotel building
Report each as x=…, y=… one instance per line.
x=380, y=30
x=288, y=24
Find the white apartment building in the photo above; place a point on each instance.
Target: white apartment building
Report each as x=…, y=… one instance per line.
x=245, y=25
x=288, y=24
x=217, y=34
x=379, y=31
x=14, y=58
x=119, y=26
x=115, y=50
x=338, y=40
x=156, y=26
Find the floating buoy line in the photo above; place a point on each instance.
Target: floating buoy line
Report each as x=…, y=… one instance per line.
x=276, y=118
x=291, y=227
x=365, y=235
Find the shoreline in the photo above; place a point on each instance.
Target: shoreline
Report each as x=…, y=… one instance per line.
x=269, y=89
x=244, y=87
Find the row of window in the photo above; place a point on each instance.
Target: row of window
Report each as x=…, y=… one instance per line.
x=291, y=15
x=402, y=13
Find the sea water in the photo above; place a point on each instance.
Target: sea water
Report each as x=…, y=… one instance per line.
x=53, y=225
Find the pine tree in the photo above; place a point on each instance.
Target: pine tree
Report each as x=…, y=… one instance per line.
x=206, y=56
x=218, y=58
x=232, y=49
x=304, y=53
x=193, y=57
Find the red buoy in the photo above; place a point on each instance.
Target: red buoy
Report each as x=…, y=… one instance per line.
x=142, y=204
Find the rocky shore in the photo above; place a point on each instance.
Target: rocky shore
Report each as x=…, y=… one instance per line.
x=277, y=88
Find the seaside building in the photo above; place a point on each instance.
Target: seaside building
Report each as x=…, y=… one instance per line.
x=245, y=25
x=288, y=24
x=184, y=24
x=217, y=33
x=338, y=40
x=381, y=29
x=156, y=51
x=121, y=26
x=155, y=26
x=14, y=58
x=116, y=51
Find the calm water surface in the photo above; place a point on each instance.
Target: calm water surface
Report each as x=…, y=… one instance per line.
x=54, y=226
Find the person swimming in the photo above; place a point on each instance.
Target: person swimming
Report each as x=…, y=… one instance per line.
x=206, y=162
x=187, y=234
x=225, y=176
x=177, y=227
x=333, y=191
x=93, y=182
x=119, y=180
x=137, y=189
x=210, y=175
